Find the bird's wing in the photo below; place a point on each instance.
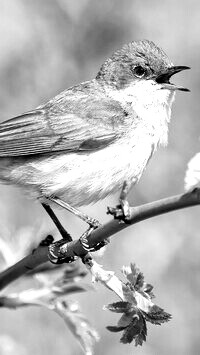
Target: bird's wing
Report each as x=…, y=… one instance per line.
x=67, y=123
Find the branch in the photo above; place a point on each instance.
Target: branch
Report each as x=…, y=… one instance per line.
x=138, y=214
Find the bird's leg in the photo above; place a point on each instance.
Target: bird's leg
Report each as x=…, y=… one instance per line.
x=56, y=248
x=56, y=221
x=93, y=223
x=122, y=211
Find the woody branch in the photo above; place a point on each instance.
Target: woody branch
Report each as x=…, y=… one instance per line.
x=138, y=214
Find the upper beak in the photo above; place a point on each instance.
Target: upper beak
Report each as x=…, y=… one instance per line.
x=164, y=77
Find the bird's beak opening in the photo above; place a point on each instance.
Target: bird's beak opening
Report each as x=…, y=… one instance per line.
x=163, y=78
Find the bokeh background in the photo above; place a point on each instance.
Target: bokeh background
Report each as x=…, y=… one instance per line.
x=47, y=46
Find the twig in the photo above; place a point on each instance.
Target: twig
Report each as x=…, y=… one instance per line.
x=138, y=214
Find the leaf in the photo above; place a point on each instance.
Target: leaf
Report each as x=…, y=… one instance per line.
x=139, y=282
x=128, y=294
x=70, y=288
x=78, y=324
x=134, y=276
x=30, y=297
x=138, y=275
x=49, y=298
x=130, y=273
x=157, y=315
x=135, y=331
x=125, y=319
x=60, y=274
x=148, y=289
x=137, y=307
x=142, y=336
x=74, y=270
x=43, y=296
x=114, y=329
x=107, y=278
x=8, y=302
x=143, y=301
x=119, y=307
x=51, y=287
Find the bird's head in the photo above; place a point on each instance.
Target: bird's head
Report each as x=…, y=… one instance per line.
x=143, y=70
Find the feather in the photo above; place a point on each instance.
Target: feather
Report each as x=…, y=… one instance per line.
x=73, y=121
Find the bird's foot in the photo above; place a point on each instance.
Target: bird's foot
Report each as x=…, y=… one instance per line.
x=84, y=241
x=121, y=211
x=93, y=223
x=58, y=249
x=57, y=252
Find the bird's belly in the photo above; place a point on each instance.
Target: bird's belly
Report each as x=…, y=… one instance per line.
x=81, y=178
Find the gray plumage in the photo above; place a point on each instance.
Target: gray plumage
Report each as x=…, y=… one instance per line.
x=83, y=144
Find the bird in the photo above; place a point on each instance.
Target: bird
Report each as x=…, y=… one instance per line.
x=95, y=138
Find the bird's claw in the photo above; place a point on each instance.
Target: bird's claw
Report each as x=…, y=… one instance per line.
x=84, y=240
x=97, y=247
x=57, y=252
x=121, y=211
x=93, y=223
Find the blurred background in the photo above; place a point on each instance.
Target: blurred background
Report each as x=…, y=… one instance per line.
x=47, y=46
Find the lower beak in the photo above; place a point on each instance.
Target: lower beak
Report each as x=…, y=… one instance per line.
x=164, y=77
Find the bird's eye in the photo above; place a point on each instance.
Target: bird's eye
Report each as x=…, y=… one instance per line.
x=139, y=71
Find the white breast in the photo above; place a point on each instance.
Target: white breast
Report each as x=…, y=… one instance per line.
x=151, y=103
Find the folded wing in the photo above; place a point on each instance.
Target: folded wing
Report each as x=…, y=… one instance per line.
x=67, y=123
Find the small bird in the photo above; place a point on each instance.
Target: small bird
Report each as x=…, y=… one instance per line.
x=94, y=138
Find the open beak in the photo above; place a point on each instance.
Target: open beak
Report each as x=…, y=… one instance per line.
x=164, y=77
